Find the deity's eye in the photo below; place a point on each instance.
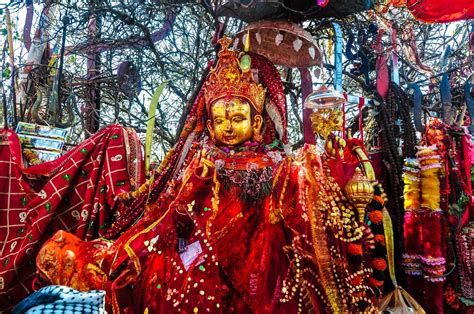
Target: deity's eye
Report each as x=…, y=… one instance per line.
x=218, y=121
x=238, y=119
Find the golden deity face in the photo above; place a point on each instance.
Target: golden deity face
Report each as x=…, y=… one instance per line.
x=231, y=122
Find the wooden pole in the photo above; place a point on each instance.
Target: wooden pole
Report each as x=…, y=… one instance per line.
x=93, y=69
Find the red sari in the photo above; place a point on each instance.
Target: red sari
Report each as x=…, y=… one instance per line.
x=261, y=234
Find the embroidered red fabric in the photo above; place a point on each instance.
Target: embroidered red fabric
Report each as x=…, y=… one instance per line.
x=242, y=265
x=255, y=252
x=75, y=192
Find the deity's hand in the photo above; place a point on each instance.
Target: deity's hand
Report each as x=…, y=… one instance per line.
x=334, y=142
x=205, y=163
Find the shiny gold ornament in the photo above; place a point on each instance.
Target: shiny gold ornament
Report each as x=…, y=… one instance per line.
x=330, y=148
x=360, y=192
x=324, y=98
x=227, y=79
x=327, y=116
x=326, y=121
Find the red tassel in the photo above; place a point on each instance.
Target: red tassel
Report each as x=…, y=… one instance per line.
x=412, y=234
x=432, y=235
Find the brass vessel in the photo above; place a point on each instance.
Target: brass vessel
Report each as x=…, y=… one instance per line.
x=360, y=192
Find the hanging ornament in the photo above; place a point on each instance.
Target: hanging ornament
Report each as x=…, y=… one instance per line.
x=327, y=116
x=360, y=192
x=245, y=60
x=324, y=98
x=245, y=63
x=247, y=41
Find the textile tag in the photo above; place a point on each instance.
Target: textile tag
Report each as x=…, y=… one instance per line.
x=190, y=254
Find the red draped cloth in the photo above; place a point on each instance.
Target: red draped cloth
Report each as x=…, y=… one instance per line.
x=265, y=248
x=438, y=11
x=259, y=234
x=75, y=192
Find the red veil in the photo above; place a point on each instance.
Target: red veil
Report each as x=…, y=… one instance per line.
x=194, y=130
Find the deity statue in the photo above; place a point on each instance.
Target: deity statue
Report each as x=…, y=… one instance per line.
x=241, y=224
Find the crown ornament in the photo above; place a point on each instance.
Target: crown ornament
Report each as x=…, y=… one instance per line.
x=231, y=78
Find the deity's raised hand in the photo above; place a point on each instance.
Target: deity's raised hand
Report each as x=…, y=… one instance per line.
x=205, y=163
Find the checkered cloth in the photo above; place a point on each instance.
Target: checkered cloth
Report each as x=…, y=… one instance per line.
x=75, y=192
x=62, y=299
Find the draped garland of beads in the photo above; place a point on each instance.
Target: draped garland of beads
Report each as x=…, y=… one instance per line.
x=342, y=278
x=465, y=248
x=392, y=169
x=400, y=106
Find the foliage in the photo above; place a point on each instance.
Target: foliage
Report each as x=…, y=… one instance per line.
x=125, y=31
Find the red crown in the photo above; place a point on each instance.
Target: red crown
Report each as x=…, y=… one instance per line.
x=227, y=80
